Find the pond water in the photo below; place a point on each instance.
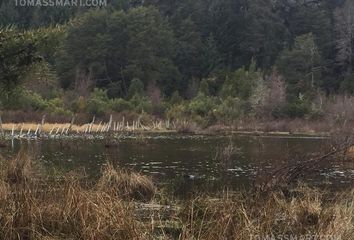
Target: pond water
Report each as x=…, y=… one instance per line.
x=189, y=161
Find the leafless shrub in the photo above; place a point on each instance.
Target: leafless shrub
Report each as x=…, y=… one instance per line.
x=275, y=93
x=83, y=84
x=339, y=108
x=185, y=126
x=154, y=94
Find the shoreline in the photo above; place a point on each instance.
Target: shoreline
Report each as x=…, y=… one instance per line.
x=137, y=128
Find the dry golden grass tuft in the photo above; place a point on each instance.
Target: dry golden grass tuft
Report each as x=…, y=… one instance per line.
x=35, y=208
x=242, y=216
x=49, y=127
x=126, y=185
x=19, y=170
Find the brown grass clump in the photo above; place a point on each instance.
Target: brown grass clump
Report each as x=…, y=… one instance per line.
x=19, y=170
x=85, y=214
x=34, y=207
x=126, y=185
x=184, y=126
x=256, y=217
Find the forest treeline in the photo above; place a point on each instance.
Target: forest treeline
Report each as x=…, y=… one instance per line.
x=209, y=61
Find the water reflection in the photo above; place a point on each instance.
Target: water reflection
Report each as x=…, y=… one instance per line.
x=187, y=161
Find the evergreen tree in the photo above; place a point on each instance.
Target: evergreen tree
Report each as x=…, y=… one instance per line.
x=300, y=66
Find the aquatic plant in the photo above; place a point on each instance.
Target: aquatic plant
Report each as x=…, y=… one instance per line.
x=224, y=154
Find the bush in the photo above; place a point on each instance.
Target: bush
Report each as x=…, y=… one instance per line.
x=202, y=105
x=176, y=112
x=136, y=88
x=98, y=104
x=296, y=109
x=33, y=101
x=347, y=86
x=141, y=104
x=199, y=110
x=119, y=105
x=241, y=82
x=79, y=105
x=56, y=106
x=175, y=98
x=230, y=109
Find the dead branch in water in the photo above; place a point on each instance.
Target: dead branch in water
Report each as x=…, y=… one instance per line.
x=289, y=174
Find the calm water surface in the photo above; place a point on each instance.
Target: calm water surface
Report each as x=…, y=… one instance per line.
x=189, y=160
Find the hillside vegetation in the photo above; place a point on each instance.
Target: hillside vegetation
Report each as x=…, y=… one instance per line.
x=215, y=62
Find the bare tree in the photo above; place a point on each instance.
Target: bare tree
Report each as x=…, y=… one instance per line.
x=154, y=93
x=83, y=83
x=274, y=94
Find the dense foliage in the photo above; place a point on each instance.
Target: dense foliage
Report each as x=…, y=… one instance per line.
x=209, y=60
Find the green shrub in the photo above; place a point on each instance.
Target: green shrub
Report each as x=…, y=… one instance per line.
x=198, y=110
x=241, y=83
x=79, y=105
x=202, y=105
x=56, y=106
x=33, y=101
x=175, y=98
x=204, y=87
x=136, y=88
x=119, y=105
x=176, y=112
x=60, y=112
x=230, y=109
x=141, y=104
x=347, y=86
x=296, y=109
x=98, y=103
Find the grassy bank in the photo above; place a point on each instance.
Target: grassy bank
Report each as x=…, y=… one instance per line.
x=66, y=128
x=280, y=127
x=127, y=205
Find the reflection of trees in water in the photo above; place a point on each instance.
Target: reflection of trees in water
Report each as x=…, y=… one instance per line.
x=223, y=162
x=304, y=166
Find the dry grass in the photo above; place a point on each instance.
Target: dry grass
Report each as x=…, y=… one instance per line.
x=37, y=207
x=48, y=127
x=63, y=128
x=126, y=185
x=243, y=216
x=249, y=125
x=32, y=207
x=185, y=126
x=224, y=154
